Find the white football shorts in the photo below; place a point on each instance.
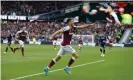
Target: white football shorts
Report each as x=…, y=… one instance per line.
x=65, y=49
x=80, y=45
x=21, y=43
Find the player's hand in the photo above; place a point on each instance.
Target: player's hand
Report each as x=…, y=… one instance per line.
x=92, y=24
x=102, y=9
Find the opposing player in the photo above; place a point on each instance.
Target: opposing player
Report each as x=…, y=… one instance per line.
x=80, y=42
x=21, y=36
x=55, y=42
x=102, y=41
x=67, y=32
x=9, y=39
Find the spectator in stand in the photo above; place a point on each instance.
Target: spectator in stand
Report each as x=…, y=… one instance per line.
x=33, y=8
x=42, y=30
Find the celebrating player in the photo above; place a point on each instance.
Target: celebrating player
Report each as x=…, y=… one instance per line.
x=21, y=36
x=102, y=41
x=9, y=38
x=67, y=32
x=80, y=43
x=111, y=17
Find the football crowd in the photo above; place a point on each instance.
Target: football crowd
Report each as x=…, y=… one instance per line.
x=29, y=8
x=42, y=30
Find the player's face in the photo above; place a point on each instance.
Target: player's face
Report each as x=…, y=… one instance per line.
x=71, y=23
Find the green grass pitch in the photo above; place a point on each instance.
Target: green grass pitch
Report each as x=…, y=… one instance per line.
x=117, y=64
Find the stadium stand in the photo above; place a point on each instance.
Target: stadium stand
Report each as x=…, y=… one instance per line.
x=32, y=8
x=42, y=30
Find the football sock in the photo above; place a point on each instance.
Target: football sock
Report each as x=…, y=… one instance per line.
x=54, y=46
x=11, y=49
x=52, y=63
x=79, y=48
x=101, y=50
x=6, y=49
x=71, y=61
x=22, y=49
x=16, y=48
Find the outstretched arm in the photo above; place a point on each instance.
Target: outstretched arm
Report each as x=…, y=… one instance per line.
x=57, y=32
x=108, y=19
x=102, y=9
x=86, y=25
x=116, y=18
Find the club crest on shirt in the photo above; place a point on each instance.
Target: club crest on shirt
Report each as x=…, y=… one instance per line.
x=72, y=31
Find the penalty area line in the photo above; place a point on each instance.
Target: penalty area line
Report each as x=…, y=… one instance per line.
x=57, y=70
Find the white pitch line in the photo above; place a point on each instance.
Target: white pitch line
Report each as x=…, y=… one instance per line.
x=58, y=70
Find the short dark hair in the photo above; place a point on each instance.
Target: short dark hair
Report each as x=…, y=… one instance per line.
x=68, y=20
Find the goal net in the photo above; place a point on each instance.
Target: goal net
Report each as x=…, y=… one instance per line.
x=87, y=39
